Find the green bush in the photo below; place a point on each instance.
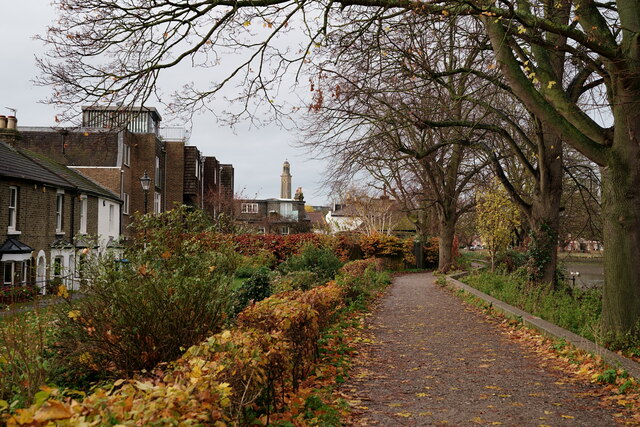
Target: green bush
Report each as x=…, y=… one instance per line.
x=574, y=309
x=135, y=314
x=510, y=260
x=320, y=260
x=296, y=281
x=254, y=289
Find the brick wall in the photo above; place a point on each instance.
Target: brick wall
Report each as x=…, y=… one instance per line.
x=74, y=147
x=190, y=182
x=144, y=149
x=175, y=152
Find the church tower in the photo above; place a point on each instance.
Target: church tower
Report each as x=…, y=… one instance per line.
x=285, y=181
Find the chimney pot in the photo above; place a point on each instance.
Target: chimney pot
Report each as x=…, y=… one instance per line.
x=3, y=122
x=12, y=122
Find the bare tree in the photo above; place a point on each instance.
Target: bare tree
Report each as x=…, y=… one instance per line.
x=376, y=103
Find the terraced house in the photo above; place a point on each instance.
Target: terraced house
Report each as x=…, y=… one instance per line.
x=51, y=218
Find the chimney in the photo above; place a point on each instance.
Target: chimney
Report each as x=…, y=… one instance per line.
x=285, y=181
x=3, y=122
x=12, y=122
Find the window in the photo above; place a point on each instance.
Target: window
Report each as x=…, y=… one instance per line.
x=59, y=211
x=249, y=208
x=58, y=264
x=157, y=181
x=13, y=208
x=127, y=155
x=197, y=168
x=125, y=205
x=157, y=202
x=284, y=230
x=111, y=217
x=7, y=276
x=286, y=210
x=83, y=214
x=261, y=230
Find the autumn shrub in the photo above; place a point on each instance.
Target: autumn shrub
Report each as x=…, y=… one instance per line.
x=297, y=322
x=17, y=293
x=320, y=260
x=296, y=281
x=326, y=300
x=256, y=288
x=23, y=356
x=358, y=284
x=358, y=267
x=395, y=252
x=251, y=362
x=138, y=313
x=235, y=377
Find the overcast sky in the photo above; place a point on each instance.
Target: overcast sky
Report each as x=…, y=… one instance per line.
x=257, y=154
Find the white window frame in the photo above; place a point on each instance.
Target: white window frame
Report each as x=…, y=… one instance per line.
x=284, y=230
x=262, y=230
x=157, y=174
x=59, y=211
x=127, y=155
x=83, y=214
x=13, y=209
x=125, y=204
x=251, y=208
x=157, y=202
x=112, y=217
x=197, y=168
x=25, y=272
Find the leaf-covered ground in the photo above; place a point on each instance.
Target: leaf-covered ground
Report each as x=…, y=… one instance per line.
x=427, y=358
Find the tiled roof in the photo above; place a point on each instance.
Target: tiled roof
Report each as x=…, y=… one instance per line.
x=14, y=164
x=14, y=246
x=24, y=164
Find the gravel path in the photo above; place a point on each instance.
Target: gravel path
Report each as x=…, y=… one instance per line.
x=435, y=361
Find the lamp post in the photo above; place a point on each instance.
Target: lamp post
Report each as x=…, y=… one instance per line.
x=145, y=181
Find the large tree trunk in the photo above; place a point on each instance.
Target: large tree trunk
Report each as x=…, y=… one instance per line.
x=621, y=218
x=445, y=246
x=544, y=216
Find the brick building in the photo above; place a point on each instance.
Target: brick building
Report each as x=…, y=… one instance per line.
x=285, y=215
x=49, y=214
x=116, y=146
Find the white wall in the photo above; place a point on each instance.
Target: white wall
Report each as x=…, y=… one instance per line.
x=108, y=220
x=342, y=223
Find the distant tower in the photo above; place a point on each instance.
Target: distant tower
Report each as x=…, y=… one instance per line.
x=285, y=181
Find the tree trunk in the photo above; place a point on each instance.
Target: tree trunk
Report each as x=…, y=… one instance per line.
x=621, y=218
x=445, y=246
x=544, y=217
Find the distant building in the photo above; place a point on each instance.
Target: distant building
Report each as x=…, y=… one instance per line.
x=370, y=215
x=285, y=215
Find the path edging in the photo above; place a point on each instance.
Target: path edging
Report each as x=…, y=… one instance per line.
x=549, y=329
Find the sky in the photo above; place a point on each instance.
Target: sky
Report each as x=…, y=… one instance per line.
x=257, y=154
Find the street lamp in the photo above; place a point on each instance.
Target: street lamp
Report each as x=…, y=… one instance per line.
x=145, y=181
